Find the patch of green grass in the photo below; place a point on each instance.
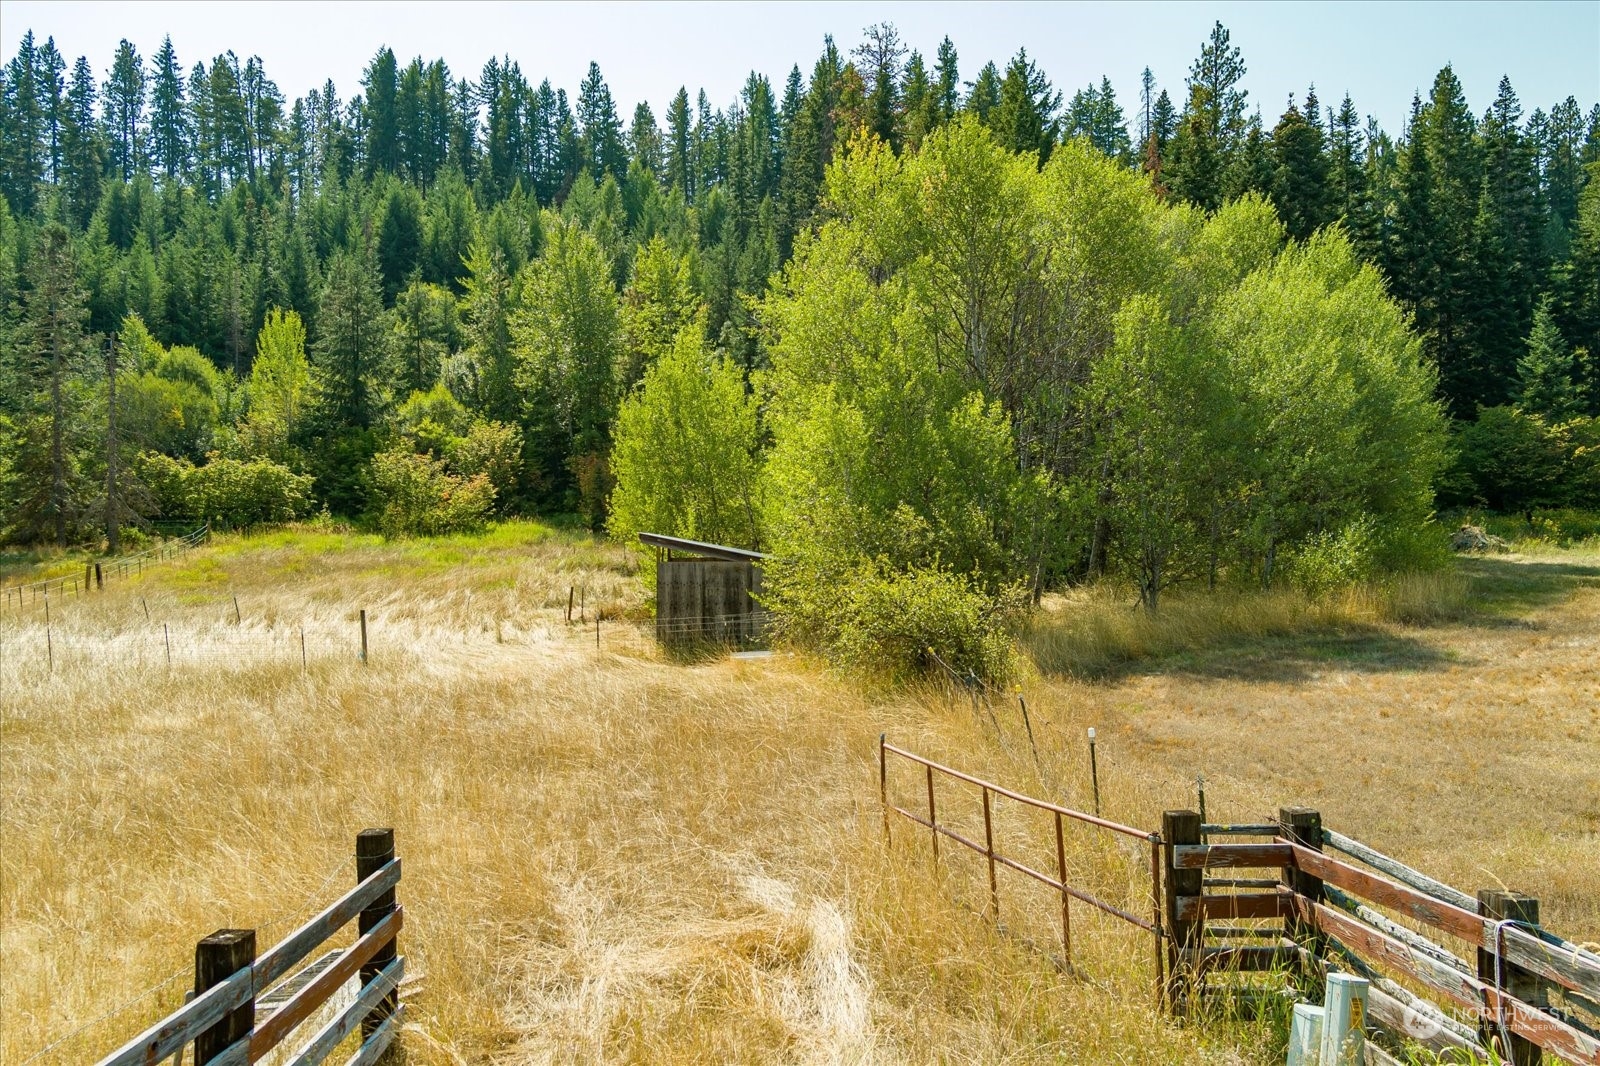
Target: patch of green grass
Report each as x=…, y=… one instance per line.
x=1504, y=587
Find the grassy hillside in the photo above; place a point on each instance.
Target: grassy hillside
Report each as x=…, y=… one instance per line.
x=615, y=857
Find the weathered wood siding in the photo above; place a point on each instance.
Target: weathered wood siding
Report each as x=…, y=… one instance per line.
x=708, y=599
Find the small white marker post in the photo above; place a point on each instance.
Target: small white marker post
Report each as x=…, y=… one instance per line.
x=1344, y=1021
x=1094, y=774
x=1305, y=1035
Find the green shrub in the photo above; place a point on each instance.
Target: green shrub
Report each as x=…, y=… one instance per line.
x=882, y=622
x=1412, y=547
x=1335, y=559
x=432, y=420
x=413, y=495
x=227, y=492
x=493, y=449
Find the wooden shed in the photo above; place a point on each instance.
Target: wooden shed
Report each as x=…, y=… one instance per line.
x=706, y=591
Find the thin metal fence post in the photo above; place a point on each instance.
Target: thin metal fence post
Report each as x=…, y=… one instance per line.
x=933, y=821
x=1061, y=875
x=988, y=847
x=1156, y=897
x=1094, y=773
x=883, y=782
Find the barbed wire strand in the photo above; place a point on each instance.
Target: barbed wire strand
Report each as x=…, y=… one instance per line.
x=281, y=917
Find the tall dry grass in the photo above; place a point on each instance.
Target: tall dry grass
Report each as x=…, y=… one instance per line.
x=1452, y=720
x=608, y=857
x=1097, y=629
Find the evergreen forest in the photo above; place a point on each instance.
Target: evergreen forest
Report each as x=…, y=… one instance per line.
x=936, y=335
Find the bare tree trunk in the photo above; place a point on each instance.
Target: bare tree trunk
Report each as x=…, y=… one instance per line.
x=113, y=514
x=58, y=447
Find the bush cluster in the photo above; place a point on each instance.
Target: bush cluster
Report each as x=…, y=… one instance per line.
x=414, y=495
x=231, y=493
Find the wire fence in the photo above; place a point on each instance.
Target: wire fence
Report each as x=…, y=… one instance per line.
x=97, y=573
x=75, y=1040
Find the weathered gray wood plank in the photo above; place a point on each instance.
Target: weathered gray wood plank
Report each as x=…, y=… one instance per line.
x=303, y=941
x=378, y=1042
x=1229, y=856
x=184, y=1024
x=329, y=1036
x=271, y=1032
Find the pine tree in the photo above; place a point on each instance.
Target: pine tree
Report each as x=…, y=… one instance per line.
x=169, y=127
x=398, y=234
x=1577, y=306
x=1221, y=103
x=1346, y=177
x=351, y=350
x=644, y=139
x=1300, y=189
x=1508, y=244
x=55, y=346
x=1252, y=169
x=1095, y=115
x=794, y=91
x=230, y=121
x=1024, y=118
x=600, y=147
x=1547, y=372
x=382, y=82
x=1444, y=128
x=124, y=109
x=83, y=155
x=1192, y=166
x=680, y=126
x=983, y=94
x=947, y=75
x=881, y=53
x=486, y=310
x=50, y=84
x=921, y=107
x=22, y=146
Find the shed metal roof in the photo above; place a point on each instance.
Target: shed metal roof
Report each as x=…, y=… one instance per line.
x=695, y=547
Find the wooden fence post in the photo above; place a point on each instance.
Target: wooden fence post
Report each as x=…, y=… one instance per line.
x=217, y=958
x=1303, y=826
x=1185, y=936
x=363, y=634
x=99, y=578
x=1499, y=905
x=374, y=851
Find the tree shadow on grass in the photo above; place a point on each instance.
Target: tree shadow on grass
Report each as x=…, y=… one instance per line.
x=1504, y=589
x=1302, y=657
x=1502, y=592
x=1290, y=658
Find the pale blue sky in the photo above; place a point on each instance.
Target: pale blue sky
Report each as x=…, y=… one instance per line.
x=1379, y=52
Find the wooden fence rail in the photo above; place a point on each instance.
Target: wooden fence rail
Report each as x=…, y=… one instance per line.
x=1334, y=918
x=232, y=984
x=1319, y=913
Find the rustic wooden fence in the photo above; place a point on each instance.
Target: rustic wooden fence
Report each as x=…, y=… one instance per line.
x=246, y=1005
x=1513, y=988
x=1523, y=992
x=95, y=575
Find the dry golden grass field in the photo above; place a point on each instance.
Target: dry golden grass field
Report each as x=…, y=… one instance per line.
x=611, y=856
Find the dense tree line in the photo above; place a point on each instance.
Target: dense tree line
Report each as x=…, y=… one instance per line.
x=481, y=271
